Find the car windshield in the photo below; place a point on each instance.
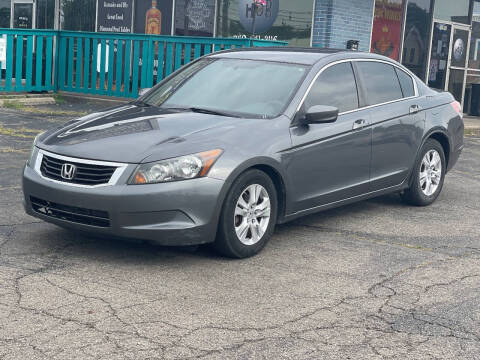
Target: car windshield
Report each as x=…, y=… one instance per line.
x=245, y=88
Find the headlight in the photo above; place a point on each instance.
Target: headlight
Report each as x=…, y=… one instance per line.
x=31, y=160
x=181, y=168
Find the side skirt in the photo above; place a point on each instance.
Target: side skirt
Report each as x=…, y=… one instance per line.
x=373, y=194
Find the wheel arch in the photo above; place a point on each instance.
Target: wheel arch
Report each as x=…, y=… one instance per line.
x=273, y=170
x=442, y=137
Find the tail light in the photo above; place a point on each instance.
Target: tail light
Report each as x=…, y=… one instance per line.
x=457, y=107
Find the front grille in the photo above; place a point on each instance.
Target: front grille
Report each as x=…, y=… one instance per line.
x=84, y=174
x=70, y=213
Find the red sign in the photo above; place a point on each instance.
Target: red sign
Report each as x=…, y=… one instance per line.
x=387, y=28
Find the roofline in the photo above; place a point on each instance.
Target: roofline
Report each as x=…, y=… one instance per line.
x=329, y=54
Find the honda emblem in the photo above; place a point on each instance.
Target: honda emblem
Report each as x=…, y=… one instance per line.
x=68, y=171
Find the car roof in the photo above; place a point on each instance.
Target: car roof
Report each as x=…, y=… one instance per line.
x=305, y=56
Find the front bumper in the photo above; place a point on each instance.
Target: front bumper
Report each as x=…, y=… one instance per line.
x=177, y=213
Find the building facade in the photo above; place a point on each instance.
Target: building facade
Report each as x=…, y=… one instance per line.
x=438, y=40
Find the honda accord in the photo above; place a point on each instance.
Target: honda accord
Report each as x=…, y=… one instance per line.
x=238, y=141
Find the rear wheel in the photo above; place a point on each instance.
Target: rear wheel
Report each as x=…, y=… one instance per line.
x=428, y=176
x=248, y=217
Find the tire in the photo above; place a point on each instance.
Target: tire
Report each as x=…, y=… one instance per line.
x=428, y=171
x=241, y=216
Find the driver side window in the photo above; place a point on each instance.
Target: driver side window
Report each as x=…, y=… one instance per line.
x=336, y=86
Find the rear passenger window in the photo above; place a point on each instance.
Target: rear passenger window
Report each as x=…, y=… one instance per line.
x=381, y=82
x=336, y=87
x=406, y=82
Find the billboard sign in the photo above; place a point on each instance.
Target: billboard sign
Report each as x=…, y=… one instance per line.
x=114, y=16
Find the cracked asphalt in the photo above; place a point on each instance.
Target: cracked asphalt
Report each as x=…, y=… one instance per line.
x=374, y=280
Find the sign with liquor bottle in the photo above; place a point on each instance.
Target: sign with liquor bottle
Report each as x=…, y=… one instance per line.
x=114, y=16
x=153, y=17
x=387, y=28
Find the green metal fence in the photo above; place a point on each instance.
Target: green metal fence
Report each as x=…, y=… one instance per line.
x=100, y=63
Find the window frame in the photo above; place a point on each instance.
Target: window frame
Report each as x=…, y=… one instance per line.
x=355, y=78
x=397, y=72
x=360, y=88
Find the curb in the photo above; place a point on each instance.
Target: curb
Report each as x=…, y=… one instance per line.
x=29, y=101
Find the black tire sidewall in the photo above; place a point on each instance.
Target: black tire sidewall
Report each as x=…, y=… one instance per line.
x=227, y=241
x=415, y=193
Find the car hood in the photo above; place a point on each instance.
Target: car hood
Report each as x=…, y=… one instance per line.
x=135, y=134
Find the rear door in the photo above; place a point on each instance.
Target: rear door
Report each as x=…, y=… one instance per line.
x=331, y=162
x=397, y=121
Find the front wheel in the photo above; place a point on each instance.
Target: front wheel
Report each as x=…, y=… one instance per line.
x=428, y=176
x=248, y=217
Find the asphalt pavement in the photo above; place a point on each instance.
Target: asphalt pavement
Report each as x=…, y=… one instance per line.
x=373, y=280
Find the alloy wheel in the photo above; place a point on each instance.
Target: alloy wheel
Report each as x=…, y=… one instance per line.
x=430, y=172
x=252, y=214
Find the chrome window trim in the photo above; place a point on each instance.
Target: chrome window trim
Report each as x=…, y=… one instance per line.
x=120, y=168
x=408, y=72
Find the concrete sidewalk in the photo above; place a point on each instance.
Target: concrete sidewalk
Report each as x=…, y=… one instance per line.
x=472, y=125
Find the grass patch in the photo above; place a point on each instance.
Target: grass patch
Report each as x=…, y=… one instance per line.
x=12, y=104
x=54, y=112
x=59, y=99
x=22, y=132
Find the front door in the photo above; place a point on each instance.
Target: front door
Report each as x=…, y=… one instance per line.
x=331, y=162
x=448, y=58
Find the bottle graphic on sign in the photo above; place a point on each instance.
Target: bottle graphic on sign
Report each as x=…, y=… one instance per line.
x=153, y=21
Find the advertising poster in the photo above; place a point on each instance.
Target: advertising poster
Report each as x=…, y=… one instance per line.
x=153, y=17
x=387, y=28
x=114, y=16
x=194, y=17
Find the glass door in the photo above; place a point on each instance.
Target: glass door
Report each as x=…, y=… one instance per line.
x=448, y=58
x=437, y=76
x=458, y=62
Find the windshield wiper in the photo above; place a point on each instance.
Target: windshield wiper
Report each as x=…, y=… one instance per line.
x=211, y=112
x=204, y=111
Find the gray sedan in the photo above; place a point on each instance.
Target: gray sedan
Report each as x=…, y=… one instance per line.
x=239, y=141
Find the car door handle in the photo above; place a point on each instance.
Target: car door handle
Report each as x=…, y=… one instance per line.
x=415, y=109
x=359, y=124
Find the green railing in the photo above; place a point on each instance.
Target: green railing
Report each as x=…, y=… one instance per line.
x=29, y=61
x=101, y=63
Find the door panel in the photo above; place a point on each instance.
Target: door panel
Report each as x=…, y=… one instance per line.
x=397, y=135
x=329, y=162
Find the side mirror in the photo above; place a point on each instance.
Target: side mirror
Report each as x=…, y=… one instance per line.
x=320, y=114
x=143, y=91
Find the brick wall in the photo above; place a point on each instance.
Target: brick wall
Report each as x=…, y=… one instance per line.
x=337, y=21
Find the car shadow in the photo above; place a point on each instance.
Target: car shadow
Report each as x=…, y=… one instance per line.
x=129, y=250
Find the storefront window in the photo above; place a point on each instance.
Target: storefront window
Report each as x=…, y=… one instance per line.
x=456, y=11
x=45, y=14
x=417, y=36
x=194, y=17
x=5, y=13
x=77, y=15
x=266, y=19
x=387, y=28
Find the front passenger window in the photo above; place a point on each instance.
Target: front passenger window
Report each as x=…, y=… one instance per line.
x=336, y=86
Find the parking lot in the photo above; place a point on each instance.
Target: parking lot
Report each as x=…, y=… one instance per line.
x=373, y=280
